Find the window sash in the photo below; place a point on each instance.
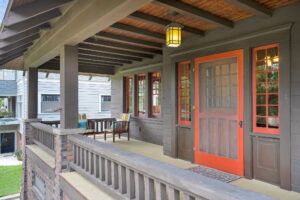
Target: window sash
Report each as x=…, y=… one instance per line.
x=50, y=102
x=155, y=94
x=128, y=94
x=141, y=95
x=266, y=82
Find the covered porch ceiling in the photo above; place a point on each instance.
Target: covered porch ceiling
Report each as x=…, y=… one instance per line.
x=133, y=39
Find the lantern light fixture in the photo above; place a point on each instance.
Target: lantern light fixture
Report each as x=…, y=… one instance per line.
x=173, y=35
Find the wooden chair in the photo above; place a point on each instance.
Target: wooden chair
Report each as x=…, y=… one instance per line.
x=119, y=126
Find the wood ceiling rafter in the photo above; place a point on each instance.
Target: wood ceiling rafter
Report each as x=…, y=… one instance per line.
x=96, y=56
x=253, y=7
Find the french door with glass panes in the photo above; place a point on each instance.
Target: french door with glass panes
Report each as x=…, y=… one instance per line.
x=219, y=111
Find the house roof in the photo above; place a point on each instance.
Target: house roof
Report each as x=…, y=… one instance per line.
x=138, y=36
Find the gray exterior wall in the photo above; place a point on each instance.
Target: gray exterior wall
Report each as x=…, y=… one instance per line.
x=8, y=88
x=282, y=28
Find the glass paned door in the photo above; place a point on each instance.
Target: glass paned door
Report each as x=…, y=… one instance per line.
x=218, y=113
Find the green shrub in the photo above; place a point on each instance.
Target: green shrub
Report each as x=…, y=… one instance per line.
x=19, y=155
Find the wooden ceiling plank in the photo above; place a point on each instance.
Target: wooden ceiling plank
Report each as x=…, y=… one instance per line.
x=96, y=63
x=192, y=11
x=11, y=46
x=129, y=40
x=114, y=51
x=162, y=22
x=252, y=6
x=13, y=37
x=24, y=47
x=82, y=59
x=30, y=10
x=33, y=22
x=91, y=58
x=89, y=55
x=122, y=46
x=139, y=31
x=108, y=55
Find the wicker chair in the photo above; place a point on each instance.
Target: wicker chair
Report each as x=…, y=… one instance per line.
x=119, y=127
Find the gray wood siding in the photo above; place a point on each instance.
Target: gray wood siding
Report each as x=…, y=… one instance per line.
x=8, y=88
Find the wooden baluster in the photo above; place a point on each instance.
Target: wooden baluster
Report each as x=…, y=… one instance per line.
x=139, y=186
x=160, y=191
x=115, y=175
x=122, y=179
x=102, y=169
x=87, y=160
x=173, y=194
x=108, y=172
x=149, y=189
x=82, y=158
x=130, y=183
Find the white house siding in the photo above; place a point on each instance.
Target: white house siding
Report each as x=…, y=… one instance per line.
x=89, y=94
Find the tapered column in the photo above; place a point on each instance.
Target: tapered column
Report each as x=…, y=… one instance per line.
x=69, y=86
x=32, y=98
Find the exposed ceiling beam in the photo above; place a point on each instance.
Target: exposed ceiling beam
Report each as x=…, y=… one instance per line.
x=139, y=31
x=107, y=55
x=122, y=46
x=12, y=46
x=162, y=22
x=114, y=51
x=96, y=62
x=86, y=55
x=15, y=36
x=33, y=22
x=129, y=40
x=30, y=10
x=187, y=9
x=253, y=7
x=84, y=68
x=10, y=58
x=19, y=49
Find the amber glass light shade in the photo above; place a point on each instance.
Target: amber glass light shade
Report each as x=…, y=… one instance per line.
x=173, y=35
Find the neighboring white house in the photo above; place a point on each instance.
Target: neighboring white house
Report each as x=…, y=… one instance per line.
x=94, y=99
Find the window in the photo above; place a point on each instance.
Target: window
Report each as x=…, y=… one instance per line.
x=141, y=95
x=266, y=89
x=7, y=75
x=50, y=103
x=155, y=94
x=39, y=187
x=128, y=94
x=105, y=104
x=184, y=93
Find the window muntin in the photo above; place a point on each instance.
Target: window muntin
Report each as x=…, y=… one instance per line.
x=141, y=95
x=128, y=94
x=266, y=89
x=184, y=93
x=155, y=94
x=105, y=103
x=50, y=103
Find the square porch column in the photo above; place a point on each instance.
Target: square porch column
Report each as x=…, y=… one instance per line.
x=69, y=87
x=32, y=98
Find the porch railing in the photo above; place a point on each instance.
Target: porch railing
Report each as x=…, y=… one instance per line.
x=43, y=136
x=132, y=176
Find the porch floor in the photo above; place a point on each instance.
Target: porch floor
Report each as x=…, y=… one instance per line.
x=156, y=152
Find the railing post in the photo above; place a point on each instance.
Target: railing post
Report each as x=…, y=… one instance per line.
x=27, y=138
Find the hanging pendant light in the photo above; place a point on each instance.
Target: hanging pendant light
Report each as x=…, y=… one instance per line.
x=173, y=35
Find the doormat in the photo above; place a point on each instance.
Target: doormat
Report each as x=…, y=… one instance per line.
x=214, y=173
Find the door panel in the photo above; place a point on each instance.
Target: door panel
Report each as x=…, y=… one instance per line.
x=219, y=110
x=185, y=143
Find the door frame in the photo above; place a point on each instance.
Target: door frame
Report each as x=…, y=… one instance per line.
x=220, y=161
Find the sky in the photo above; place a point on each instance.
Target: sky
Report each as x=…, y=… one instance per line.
x=3, y=5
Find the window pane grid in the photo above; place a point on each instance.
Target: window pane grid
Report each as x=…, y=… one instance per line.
x=155, y=94
x=128, y=94
x=184, y=93
x=266, y=90
x=141, y=95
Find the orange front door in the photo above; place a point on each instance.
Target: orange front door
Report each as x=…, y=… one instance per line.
x=219, y=111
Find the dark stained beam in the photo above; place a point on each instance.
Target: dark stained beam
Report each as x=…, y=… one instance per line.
x=25, y=46
x=129, y=40
x=107, y=55
x=114, y=51
x=162, y=22
x=13, y=37
x=32, y=22
x=122, y=46
x=138, y=31
x=12, y=46
x=253, y=7
x=84, y=68
x=10, y=58
x=88, y=56
x=19, y=49
x=192, y=11
x=96, y=62
x=30, y=10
